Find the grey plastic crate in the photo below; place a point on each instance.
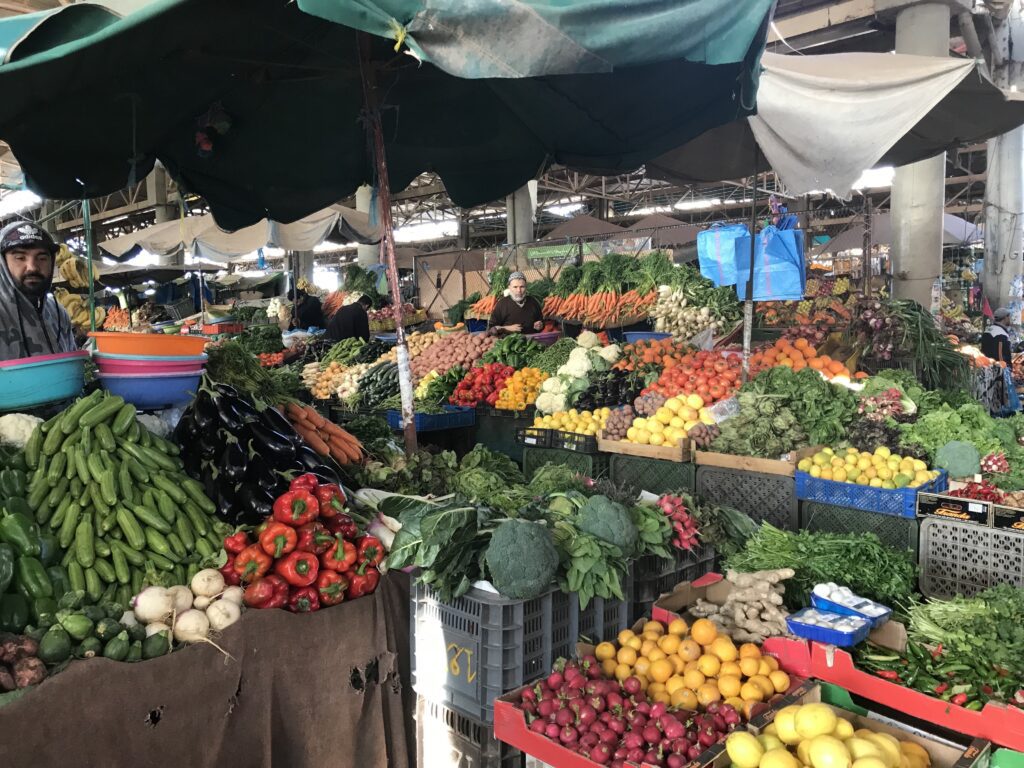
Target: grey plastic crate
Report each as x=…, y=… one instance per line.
x=652, y=577
x=469, y=652
x=604, y=619
x=764, y=497
x=653, y=475
x=589, y=465
x=896, y=532
x=964, y=558
x=448, y=739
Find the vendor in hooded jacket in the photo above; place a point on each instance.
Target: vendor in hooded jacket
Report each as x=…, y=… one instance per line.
x=32, y=321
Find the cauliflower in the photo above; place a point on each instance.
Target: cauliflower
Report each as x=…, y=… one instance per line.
x=579, y=364
x=588, y=339
x=17, y=428
x=611, y=353
x=551, y=402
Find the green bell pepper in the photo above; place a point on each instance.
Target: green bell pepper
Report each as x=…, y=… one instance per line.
x=21, y=532
x=6, y=566
x=59, y=580
x=13, y=613
x=12, y=483
x=31, y=579
x=43, y=608
x=49, y=550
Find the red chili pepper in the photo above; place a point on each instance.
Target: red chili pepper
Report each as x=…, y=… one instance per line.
x=278, y=539
x=331, y=586
x=306, y=482
x=252, y=563
x=315, y=538
x=331, y=499
x=299, y=569
x=296, y=508
x=304, y=600
x=344, y=525
x=258, y=594
x=888, y=674
x=940, y=689
x=370, y=549
x=229, y=573
x=959, y=700
x=937, y=651
x=987, y=690
x=362, y=581
x=236, y=542
x=341, y=556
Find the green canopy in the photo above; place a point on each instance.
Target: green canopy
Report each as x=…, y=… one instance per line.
x=257, y=105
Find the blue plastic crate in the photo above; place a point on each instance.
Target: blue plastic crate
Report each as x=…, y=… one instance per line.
x=899, y=502
x=827, y=635
x=632, y=337
x=455, y=417
x=475, y=326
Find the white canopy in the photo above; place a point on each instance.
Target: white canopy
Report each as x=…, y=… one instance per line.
x=205, y=239
x=955, y=231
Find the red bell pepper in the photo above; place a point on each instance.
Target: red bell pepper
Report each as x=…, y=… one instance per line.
x=370, y=549
x=299, y=569
x=362, y=581
x=296, y=508
x=252, y=563
x=331, y=499
x=331, y=587
x=344, y=525
x=281, y=591
x=231, y=577
x=278, y=539
x=236, y=542
x=306, y=482
x=258, y=594
x=313, y=537
x=304, y=600
x=341, y=556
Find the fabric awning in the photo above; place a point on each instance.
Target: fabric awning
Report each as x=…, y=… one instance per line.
x=955, y=231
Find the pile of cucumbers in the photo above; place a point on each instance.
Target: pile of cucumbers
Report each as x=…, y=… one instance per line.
x=378, y=384
x=117, y=498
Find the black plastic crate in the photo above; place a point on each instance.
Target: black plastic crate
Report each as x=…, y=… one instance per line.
x=603, y=619
x=446, y=738
x=896, y=532
x=573, y=441
x=653, y=475
x=588, y=465
x=534, y=437
x=496, y=430
x=652, y=576
x=764, y=497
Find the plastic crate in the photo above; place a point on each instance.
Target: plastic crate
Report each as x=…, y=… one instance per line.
x=652, y=576
x=827, y=635
x=573, y=441
x=468, y=652
x=632, y=337
x=604, y=619
x=456, y=417
x=534, y=437
x=588, y=465
x=965, y=558
x=475, y=326
x=448, y=739
x=496, y=430
x=764, y=497
x=181, y=309
x=901, y=502
x=653, y=475
x=895, y=532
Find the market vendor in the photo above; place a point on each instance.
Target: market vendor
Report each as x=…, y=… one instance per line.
x=308, y=311
x=33, y=321
x=516, y=312
x=351, y=321
x=995, y=341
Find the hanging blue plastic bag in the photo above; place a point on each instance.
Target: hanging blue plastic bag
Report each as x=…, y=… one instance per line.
x=779, y=273
x=716, y=252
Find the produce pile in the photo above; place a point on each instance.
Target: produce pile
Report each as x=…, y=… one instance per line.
x=881, y=469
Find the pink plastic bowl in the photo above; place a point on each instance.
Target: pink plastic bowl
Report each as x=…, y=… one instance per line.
x=118, y=365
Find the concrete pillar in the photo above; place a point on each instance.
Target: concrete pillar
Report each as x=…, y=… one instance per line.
x=519, y=221
x=304, y=265
x=366, y=255
x=918, y=191
x=1004, y=190
x=463, y=230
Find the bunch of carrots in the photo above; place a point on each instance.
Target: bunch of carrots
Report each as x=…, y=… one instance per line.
x=600, y=309
x=332, y=303
x=485, y=306
x=324, y=437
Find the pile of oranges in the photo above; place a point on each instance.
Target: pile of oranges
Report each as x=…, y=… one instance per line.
x=692, y=667
x=521, y=389
x=798, y=355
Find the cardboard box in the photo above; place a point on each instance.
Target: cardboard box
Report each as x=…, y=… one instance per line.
x=785, y=466
x=1008, y=517
x=953, y=508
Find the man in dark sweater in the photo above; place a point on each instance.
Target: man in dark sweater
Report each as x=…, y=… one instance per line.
x=351, y=321
x=517, y=312
x=308, y=311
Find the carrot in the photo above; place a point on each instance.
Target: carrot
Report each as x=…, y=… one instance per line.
x=351, y=452
x=296, y=412
x=313, y=440
x=338, y=455
x=315, y=418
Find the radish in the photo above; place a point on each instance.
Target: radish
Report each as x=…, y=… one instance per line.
x=154, y=604
x=208, y=582
x=192, y=626
x=222, y=614
x=181, y=598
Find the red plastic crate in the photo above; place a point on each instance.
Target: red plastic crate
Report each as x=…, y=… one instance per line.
x=212, y=329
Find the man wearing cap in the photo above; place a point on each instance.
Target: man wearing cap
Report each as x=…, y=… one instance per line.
x=32, y=322
x=995, y=341
x=516, y=312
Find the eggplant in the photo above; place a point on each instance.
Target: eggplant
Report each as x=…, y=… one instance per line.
x=187, y=430
x=273, y=446
x=209, y=445
x=254, y=504
x=309, y=458
x=227, y=507
x=325, y=474
x=232, y=462
x=228, y=416
x=273, y=419
x=245, y=409
x=204, y=411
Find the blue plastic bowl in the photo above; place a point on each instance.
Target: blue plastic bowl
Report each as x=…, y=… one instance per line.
x=151, y=392
x=31, y=381
x=632, y=337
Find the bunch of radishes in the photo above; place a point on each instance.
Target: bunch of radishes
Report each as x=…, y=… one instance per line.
x=995, y=463
x=614, y=724
x=684, y=527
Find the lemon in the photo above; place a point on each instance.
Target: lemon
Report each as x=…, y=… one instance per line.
x=744, y=749
x=805, y=465
x=695, y=401
x=844, y=730
x=674, y=404
x=882, y=451
x=888, y=485
x=815, y=720
x=839, y=475
x=829, y=451
x=654, y=426
x=770, y=741
x=863, y=463
x=889, y=746
x=821, y=459
x=828, y=751
x=657, y=438
x=862, y=480
x=815, y=471
x=643, y=437
x=664, y=415
x=875, y=482
x=919, y=466
x=869, y=762
x=676, y=422
x=859, y=747
x=826, y=474
x=852, y=474
x=780, y=757
x=785, y=725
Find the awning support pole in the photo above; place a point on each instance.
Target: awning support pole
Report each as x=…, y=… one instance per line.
x=87, y=225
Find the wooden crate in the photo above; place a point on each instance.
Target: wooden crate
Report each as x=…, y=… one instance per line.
x=680, y=452
x=785, y=467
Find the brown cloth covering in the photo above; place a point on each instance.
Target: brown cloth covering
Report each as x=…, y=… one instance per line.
x=297, y=694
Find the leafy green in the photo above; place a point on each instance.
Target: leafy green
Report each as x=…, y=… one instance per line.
x=654, y=530
x=763, y=427
x=553, y=478
x=489, y=460
x=261, y=339
x=483, y=486
x=230, y=363
x=970, y=423
x=823, y=409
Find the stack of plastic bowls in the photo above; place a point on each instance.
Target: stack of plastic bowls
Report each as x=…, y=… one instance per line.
x=151, y=371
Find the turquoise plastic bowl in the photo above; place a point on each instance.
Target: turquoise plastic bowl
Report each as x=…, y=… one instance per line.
x=32, y=381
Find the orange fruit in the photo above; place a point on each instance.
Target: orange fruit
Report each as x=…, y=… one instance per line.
x=708, y=693
x=652, y=636
x=635, y=643
x=729, y=686
x=762, y=682
x=678, y=663
x=662, y=697
x=748, y=708
x=655, y=626
x=678, y=627
x=723, y=648
x=604, y=651
x=674, y=683
x=624, y=636
x=657, y=654
x=622, y=671
x=749, y=666
x=703, y=631
x=780, y=681
x=669, y=643
x=735, y=702
x=684, y=698
x=689, y=650
x=608, y=667
x=656, y=688
x=647, y=647
x=626, y=655
x=763, y=669
x=751, y=692
x=690, y=666
x=730, y=669
x=642, y=666
x=662, y=670
x=749, y=650
x=694, y=679
x=709, y=665
x=772, y=662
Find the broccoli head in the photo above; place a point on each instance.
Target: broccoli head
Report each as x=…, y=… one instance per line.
x=521, y=559
x=958, y=458
x=603, y=519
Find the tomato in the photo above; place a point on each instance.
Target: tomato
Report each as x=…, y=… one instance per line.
x=717, y=392
x=720, y=366
x=704, y=392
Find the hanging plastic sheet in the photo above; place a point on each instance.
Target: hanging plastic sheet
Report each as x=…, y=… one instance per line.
x=779, y=273
x=716, y=252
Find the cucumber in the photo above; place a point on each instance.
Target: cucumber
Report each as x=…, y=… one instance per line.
x=130, y=527
x=121, y=570
x=123, y=420
x=177, y=546
x=101, y=547
x=76, y=576
x=133, y=556
x=56, y=469
x=151, y=519
x=102, y=412
x=105, y=571
x=159, y=561
x=158, y=543
x=167, y=508
x=86, y=440
x=72, y=417
x=197, y=493
x=135, y=468
x=93, y=584
x=33, y=448
x=85, y=550
x=169, y=487
x=108, y=487
x=69, y=525
x=183, y=528
x=53, y=441
x=57, y=494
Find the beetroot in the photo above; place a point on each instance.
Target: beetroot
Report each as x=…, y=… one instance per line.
x=538, y=726
x=568, y=735
x=601, y=754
